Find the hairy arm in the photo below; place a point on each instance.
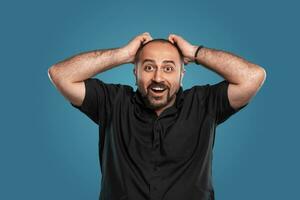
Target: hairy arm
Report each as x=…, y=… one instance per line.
x=86, y=65
x=68, y=75
x=245, y=78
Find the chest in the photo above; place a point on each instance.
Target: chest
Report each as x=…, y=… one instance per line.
x=176, y=136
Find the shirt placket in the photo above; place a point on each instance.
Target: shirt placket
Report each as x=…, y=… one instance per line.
x=154, y=187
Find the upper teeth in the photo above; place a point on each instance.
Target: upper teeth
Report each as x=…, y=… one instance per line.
x=158, y=88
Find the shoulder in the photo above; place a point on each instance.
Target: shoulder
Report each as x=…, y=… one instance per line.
x=197, y=91
x=95, y=82
x=107, y=91
x=206, y=89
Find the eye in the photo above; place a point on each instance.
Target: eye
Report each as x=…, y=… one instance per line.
x=148, y=68
x=168, y=68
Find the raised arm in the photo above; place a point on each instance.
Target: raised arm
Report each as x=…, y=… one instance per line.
x=245, y=78
x=68, y=75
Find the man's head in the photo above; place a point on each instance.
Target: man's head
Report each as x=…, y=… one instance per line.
x=159, y=69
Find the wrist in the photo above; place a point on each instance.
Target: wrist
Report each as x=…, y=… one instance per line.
x=192, y=55
x=196, y=55
x=124, y=55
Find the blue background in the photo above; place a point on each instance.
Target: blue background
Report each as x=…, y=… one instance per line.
x=49, y=150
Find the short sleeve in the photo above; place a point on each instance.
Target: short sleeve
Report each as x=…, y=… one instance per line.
x=219, y=102
x=98, y=100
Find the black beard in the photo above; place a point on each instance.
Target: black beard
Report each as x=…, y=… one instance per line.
x=152, y=106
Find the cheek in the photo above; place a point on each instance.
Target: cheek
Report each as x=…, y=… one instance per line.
x=143, y=80
x=175, y=81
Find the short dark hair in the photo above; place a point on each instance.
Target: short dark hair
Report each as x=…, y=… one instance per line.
x=162, y=40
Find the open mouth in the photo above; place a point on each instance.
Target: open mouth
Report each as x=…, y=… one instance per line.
x=158, y=90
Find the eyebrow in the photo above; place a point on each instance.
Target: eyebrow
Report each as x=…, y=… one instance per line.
x=165, y=61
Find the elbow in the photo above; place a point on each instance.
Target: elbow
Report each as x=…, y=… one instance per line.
x=261, y=75
x=256, y=77
x=52, y=74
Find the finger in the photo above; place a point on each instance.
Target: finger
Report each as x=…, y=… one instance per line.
x=170, y=38
x=173, y=38
x=141, y=36
x=146, y=33
x=146, y=38
x=149, y=39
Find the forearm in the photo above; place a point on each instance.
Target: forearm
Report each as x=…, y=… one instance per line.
x=87, y=64
x=231, y=67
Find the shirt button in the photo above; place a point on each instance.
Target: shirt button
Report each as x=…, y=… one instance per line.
x=156, y=168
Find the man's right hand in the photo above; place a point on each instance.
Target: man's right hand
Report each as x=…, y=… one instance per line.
x=132, y=47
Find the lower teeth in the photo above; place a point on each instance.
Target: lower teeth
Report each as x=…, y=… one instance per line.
x=158, y=90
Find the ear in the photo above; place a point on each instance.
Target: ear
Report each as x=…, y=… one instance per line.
x=135, y=73
x=183, y=72
x=182, y=75
x=134, y=70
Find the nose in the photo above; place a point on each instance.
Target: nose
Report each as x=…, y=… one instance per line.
x=157, y=76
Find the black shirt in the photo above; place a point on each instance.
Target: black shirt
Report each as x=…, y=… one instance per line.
x=144, y=156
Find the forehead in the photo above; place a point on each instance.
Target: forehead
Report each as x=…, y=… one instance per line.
x=159, y=52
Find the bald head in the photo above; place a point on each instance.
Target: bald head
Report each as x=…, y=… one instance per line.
x=160, y=45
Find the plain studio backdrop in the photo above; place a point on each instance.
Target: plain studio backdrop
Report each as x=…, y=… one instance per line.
x=49, y=150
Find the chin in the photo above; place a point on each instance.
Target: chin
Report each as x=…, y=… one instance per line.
x=157, y=105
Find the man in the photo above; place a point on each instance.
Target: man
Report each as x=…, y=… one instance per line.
x=156, y=142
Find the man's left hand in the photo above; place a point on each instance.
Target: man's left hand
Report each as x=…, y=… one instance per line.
x=188, y=50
